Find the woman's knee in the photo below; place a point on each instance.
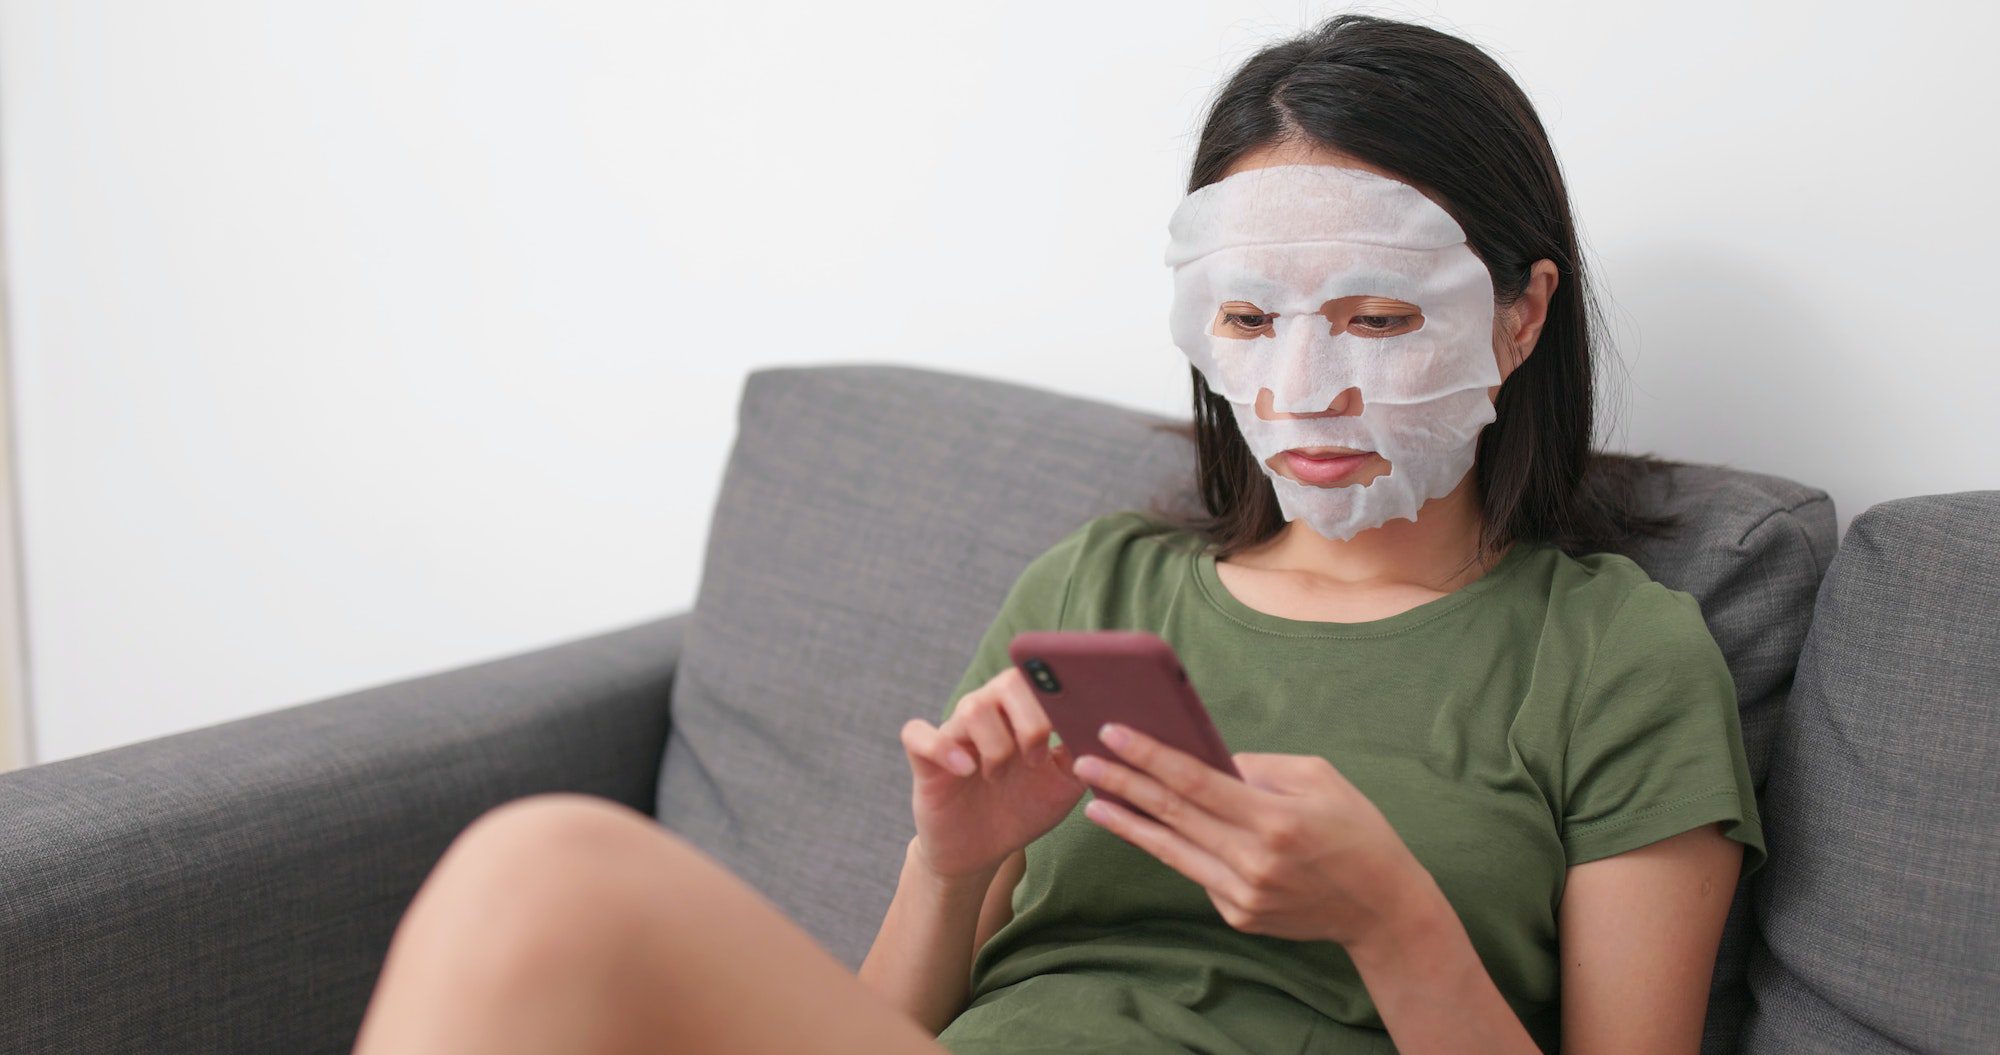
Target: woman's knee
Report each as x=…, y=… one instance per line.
x=569, y=820
x=550, y=845
x=545, y=879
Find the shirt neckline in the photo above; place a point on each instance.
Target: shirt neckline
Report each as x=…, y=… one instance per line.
x=1209, y=584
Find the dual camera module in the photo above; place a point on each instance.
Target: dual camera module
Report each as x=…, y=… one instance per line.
x=1045, y=679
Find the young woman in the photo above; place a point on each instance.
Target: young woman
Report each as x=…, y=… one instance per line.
x=1496, y=797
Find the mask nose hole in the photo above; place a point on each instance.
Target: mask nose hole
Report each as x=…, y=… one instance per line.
x=1347, y=404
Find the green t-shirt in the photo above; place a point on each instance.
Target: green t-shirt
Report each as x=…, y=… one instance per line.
x=1555, y=711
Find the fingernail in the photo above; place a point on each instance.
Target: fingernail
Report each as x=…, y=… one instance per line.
x=1113, y=735
x=962, y=763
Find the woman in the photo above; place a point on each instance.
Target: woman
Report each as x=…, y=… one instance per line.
x=1495, y=792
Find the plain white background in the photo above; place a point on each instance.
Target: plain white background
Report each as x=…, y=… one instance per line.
x=356, y=341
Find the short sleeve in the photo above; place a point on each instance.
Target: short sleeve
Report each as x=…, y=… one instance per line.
x=1656, y=748
x=1034, y=602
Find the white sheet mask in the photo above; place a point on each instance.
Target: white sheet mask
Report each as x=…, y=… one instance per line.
x=1287, y=239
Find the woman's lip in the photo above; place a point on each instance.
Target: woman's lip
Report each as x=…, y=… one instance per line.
x=1324, y=471
x=1327, y=452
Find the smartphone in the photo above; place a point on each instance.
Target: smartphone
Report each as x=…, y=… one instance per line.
x=1085, y=678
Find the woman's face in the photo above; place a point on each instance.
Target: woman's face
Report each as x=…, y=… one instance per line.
x=1372, y=316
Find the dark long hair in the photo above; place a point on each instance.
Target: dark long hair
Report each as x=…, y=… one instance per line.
x=1443, y=116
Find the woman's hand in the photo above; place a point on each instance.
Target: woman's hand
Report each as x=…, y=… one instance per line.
x=987, y=782
x=1295, y=852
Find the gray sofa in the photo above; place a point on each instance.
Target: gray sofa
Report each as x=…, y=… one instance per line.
x=234, y=888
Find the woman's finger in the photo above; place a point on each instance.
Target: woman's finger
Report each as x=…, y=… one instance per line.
x=982, y=723
x=1172, y=849
x=1025, y=717
x=927, y=744
x=1215, y=836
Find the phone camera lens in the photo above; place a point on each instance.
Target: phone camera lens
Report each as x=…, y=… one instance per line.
x=1044, y=677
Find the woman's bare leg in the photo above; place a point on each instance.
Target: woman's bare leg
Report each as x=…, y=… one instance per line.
x=570, y=923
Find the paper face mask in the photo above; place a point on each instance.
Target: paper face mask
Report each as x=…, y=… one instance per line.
x=1291, y=240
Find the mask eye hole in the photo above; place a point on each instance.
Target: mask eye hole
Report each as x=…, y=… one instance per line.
x=1241, y=320
x=1365, y=316
x=1385, y=325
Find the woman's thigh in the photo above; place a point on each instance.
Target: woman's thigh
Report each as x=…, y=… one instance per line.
x=671, y=950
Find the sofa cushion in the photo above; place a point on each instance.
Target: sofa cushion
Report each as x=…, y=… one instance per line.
x=871, y=520
x=1880, y=907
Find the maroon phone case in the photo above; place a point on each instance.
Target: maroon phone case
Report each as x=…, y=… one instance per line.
x=1126, y=676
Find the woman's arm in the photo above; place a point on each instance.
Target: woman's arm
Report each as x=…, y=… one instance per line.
x=1638, y=933
x=1431, y=988
x=922, y=957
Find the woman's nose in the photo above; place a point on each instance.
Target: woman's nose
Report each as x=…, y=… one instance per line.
x=1346, y=404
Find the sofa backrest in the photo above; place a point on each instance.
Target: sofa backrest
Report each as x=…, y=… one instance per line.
x=1880, y=905
x=872, y=518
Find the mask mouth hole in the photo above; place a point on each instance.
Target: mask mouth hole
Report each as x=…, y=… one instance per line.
x=1331, y=474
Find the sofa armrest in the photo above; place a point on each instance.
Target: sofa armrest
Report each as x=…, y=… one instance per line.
x=234, y=888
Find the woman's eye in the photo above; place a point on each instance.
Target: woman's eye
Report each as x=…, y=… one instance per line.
x=1249, y=322
x=1382, y=322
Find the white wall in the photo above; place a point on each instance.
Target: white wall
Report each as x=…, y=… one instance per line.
x=354, y=341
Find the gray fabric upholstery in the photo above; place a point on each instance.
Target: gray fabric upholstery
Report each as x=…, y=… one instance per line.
x=1880, y=907
x=872, y=518
x=233, y=888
